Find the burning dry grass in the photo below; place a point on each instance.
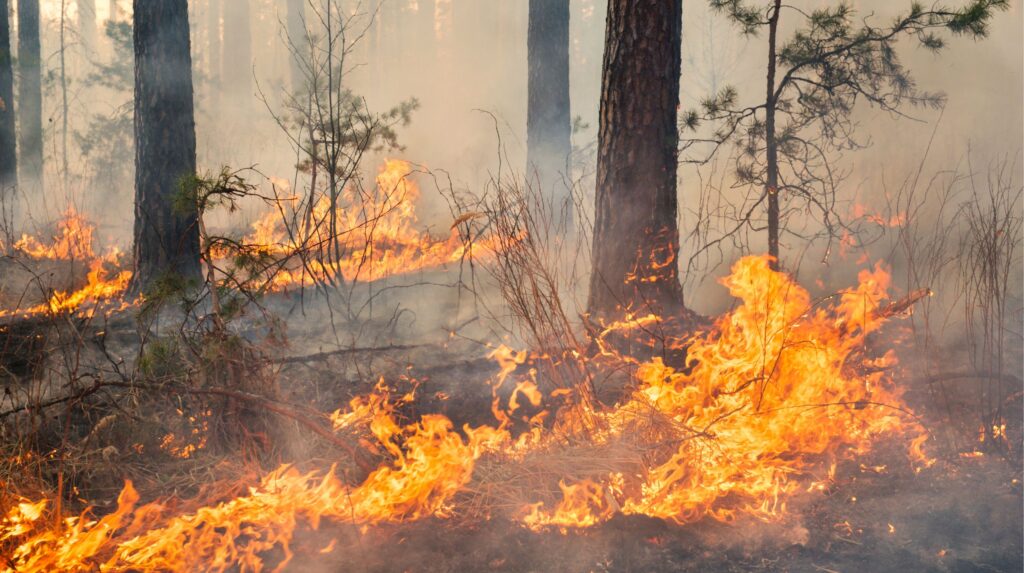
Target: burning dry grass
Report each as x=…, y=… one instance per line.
x=775, y=392
x=362, y=236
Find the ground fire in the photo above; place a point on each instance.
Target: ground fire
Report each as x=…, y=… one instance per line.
x=773, y=393
x=511, y=286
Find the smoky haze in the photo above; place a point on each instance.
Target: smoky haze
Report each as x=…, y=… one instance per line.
x=466, y=65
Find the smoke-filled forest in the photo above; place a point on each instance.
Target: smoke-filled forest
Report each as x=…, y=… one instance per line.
x=511, y=285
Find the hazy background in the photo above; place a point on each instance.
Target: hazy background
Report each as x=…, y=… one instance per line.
x=469, y=57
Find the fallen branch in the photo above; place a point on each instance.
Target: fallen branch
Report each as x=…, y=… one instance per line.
x=900, y=306
x=343, y=351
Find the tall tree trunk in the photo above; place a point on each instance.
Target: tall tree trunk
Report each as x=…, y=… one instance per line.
x=166, y=240
x=237, y=49
x=771, y=146
x=87, y=25
x=426, y=43
x=8, y=157
x=548, y=123
x=299, y=48
x=636, y=235
x=213, y=52
x=30, y=94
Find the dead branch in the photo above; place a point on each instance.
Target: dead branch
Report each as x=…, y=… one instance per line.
x=343, y=351
x=282, y=409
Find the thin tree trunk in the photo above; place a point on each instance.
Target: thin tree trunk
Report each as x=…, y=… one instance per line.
x=771, y=147
x=299, y=45
x=548, y=121
x=237, y=49
x=636, y=235
x=213, y=51
x=64, y=93
x=427, y=41
x=166, y=239
x=30, y=94
x=87, y=25
x=8, y=157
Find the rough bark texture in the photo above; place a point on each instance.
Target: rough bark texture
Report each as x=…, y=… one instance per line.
x=238, y=51
x=30, y=94
x=166, y=240
x=548, y=123
x=636, y=235
x=8, y=157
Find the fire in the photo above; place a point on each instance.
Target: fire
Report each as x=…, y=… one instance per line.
x=377, y=234
x=376, y=237
x=73, y=241
x=772, y=395
x=773, y=391
x=861, y=211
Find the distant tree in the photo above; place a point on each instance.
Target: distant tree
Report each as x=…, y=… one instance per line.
x=788, y=142
x=237, y=49
x=87, y=24
x=296, y=30
x=8, y=157
x=30, y=94
x=213, y=50
x=332, y=128
x=426, y=32
x=107, y=136
x=548, y=121
x=166, y=235
x=636, y=235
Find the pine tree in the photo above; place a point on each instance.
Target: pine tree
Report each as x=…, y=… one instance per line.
x=8, y=157
x=835, y=59
x=30, y=94
x=636, y=235
x=548, y=121
x=166, y=234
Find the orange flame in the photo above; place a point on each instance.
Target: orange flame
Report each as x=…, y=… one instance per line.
x=772, y=395
x=377, y=234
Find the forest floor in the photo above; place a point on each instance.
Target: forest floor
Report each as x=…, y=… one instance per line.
x=962, y=514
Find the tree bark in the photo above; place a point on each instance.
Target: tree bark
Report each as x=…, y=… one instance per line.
x=166, y=239
x=30, y=94
x=636, y=234
x=237, y=49
x=771, y=148
x=548, y=121
x=8, y=144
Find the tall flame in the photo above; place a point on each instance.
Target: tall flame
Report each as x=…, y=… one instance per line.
x=378, y=236
x=771, y=396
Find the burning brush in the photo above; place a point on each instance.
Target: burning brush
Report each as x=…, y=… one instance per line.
x=771, y=396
